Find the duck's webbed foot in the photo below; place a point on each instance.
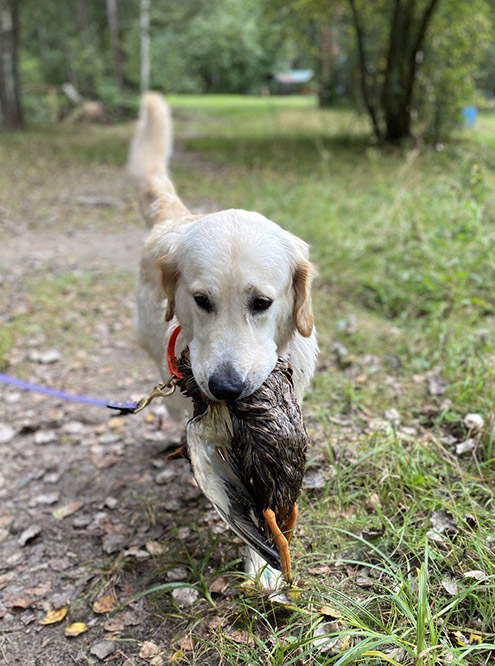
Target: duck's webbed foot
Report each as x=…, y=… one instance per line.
x=281, y=543
x=291, y=523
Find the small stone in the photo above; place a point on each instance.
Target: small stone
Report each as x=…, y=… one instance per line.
x=103, y=649
x=111, y=502
x=137, y=554
x=73, y=428
x=81, y=521
x=184, y=533
x=474, y=422
x=436, y=385
x=179, y=573
x=43, y=437
x=313, y=479
x=3, y=534
x=52, y=477
x=165, y=476
x=29, y=534
x=185, y=596
x=113, y=543
x=47, y=498
x=6, y=433
x=44, y=357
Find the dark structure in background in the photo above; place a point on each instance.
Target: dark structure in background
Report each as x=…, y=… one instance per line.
x=10, y=106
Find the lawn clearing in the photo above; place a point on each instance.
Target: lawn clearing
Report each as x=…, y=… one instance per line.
x=395, y=548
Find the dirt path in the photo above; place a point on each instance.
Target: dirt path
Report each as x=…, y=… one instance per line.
x=87, y=509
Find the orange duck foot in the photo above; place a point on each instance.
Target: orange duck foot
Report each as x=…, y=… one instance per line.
x=291, y=523
x=281, y=543
x=177, y=453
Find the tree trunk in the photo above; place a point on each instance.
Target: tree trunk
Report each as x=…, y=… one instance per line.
x=325, y=71
x=10, y=105
x=113, y=27
x=145, y=45
x=391, y=111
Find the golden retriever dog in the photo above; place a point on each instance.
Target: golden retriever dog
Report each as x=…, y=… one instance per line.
x=237, y=284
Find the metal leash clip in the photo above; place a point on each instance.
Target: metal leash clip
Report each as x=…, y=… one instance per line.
x=159, y=391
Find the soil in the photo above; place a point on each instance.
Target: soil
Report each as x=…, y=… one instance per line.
x=89, y=504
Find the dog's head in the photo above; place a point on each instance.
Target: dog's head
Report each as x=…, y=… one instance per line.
x=239, y=286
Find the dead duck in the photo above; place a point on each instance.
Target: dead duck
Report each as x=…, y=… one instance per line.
x=248, y=458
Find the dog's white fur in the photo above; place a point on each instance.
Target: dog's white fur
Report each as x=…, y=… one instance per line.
x=230, y=257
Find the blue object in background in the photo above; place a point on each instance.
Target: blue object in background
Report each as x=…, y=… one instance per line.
x=469, y=114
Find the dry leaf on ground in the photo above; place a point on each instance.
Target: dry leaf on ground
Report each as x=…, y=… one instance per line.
x=62, y=512
x=105, y=604
x=54, y=616
x=148, y=650
x=75, y=629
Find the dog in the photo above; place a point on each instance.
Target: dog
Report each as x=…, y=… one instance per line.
x=237, y=283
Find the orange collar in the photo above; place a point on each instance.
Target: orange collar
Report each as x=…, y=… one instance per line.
x=172, y=360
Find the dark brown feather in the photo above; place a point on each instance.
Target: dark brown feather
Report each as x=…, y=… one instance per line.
x=269, y=441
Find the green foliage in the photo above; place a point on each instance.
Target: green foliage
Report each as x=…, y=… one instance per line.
x=454, y=54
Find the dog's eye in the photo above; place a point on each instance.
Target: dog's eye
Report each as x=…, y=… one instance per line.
x=260, y=304
x=203, y=302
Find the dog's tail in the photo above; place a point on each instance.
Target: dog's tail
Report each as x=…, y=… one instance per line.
x=149, y=155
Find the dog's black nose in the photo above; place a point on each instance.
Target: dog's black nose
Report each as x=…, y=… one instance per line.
x=225, y=384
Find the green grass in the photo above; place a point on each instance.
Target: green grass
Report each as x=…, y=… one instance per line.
x=402, y=240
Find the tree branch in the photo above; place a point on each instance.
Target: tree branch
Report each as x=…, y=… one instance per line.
x=364, y=71
x=418, y=43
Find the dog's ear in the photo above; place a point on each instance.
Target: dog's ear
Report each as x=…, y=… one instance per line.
x=169, y=275
x=303, y=312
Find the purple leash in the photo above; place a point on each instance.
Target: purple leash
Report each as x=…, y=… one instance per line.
x=123, y=407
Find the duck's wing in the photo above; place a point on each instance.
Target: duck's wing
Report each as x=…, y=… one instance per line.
x=208, y=441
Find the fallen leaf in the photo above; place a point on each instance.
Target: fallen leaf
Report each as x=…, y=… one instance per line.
x=450, y=585
x=472, y=639
x=54, y=616
x=215, y=622
x=105, y=604
x=29, y=534
x=186, y=643
x=62, y=512
x=466, y=446
x=219, y=584
x=373, y=502
x=442, y=521
x=148, y=650
x=155, y=548
x=157, y=661
x=39, y=590
x=328, y=611
x=114, y=624
x=241, y=636
x=75, y=629
x=475, y=573
x=17, y=601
